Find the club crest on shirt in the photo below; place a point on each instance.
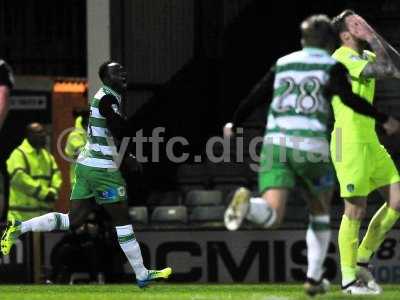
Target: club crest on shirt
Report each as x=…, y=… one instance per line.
x=121, y=191
x=350, y=187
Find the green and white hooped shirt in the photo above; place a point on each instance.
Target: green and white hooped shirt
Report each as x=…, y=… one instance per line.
x=299, y=113
x=100, y=150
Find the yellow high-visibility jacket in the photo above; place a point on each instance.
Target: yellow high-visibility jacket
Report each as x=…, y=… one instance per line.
x=76, y=140
x=33, y=174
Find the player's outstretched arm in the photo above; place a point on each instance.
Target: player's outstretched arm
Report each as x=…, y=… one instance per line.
x=339, y=84
x=117, y=125
x=119, y=128
x=384, y=66
x=256, y=97
x=387, y=58
x=393, y=53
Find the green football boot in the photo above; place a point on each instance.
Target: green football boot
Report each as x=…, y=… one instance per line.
x=154, y=275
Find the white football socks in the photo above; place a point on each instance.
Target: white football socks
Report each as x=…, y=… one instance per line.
x=130, y=246
x=261, y=213
x=47, y=222
x=318, y=237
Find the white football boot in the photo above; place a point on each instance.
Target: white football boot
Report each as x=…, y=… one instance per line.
x=312, y=287
x=358, y=287
x=237, y=209
x=365, y=275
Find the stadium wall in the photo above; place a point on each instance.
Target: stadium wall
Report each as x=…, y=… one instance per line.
x=226, y=257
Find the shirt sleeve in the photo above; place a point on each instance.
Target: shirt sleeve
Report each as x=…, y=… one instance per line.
x=256, y=97
x=338, y=84
x=117, y=125
x=6, y=75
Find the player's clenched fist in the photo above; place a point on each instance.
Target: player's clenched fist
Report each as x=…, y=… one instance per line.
x=391, y=126
x=228, y=130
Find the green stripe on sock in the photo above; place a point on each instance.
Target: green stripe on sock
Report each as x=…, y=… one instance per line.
x=126, y=238
x=319, y=226
x=58, y=221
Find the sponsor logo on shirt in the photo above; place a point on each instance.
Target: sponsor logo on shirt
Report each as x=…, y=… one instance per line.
x=109, y=194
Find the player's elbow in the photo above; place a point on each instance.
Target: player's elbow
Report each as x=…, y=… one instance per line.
x=347, y=98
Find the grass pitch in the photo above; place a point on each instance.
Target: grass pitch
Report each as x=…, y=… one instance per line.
x=176, y=292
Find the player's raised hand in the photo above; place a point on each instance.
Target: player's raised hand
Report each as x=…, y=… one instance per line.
x=360, y=28
x=391, y=126
x=228, y=130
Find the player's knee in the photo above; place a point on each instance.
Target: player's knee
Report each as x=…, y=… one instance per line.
x=119, y=218
x=119, y=213
x=356, y=213
x=317, y=211
x=75, y=221
x=121, y=221
x=73, y=224
x=395, y=204
x=319, y=208
x=355, y=208
x=360, y=214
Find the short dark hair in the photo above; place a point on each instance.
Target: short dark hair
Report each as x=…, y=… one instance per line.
x=317, y=31
x=34, y=127
x=339, y=22
x=103, y=69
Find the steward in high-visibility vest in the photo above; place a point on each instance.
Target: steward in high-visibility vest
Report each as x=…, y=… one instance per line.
x=35, y=179
x=76, y=140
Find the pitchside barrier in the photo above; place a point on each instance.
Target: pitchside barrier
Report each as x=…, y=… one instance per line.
x=220, y=256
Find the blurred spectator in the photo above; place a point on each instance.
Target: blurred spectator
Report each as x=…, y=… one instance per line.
x=6, y=84
x=76, y=139
x=35, y=179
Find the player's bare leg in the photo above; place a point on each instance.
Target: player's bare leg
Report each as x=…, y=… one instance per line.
x=52, y=221
x=274, y=206
x=381, y=223
x=129, y=245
